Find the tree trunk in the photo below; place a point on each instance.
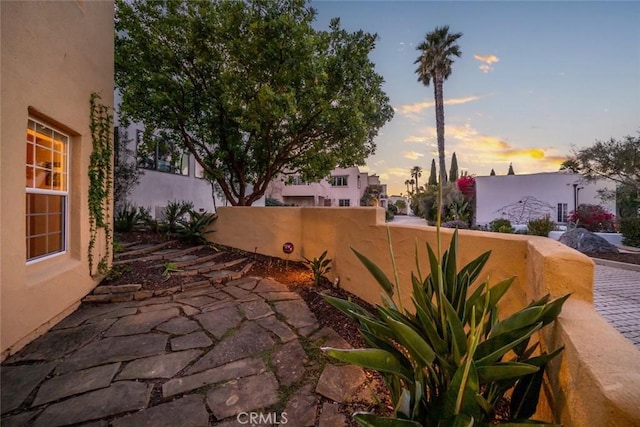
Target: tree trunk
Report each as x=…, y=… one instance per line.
x=437, y=88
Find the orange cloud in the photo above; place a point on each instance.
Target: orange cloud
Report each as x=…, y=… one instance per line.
x=420, y=106
x=412, y=155
x=486, y=60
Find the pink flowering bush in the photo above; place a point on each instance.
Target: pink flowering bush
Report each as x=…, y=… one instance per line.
x=594, y=218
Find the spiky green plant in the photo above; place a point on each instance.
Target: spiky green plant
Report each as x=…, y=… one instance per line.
x=195, y=228
x=451, y=360
x=319, y=266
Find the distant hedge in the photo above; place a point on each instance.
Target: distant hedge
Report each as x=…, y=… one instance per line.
x=630, y=229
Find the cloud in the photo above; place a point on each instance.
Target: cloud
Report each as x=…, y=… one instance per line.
x=412, y=155
x=420, y=106
x=415, y=138
x=486, y=60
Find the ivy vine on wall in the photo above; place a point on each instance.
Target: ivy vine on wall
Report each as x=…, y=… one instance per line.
x=100, y=180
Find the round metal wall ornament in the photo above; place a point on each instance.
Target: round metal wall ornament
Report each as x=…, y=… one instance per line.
x=287, y=248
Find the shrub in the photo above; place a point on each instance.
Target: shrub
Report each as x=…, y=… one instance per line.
x=501, y=225
x=389, y=215
x=195, y=229
x=126, y=217
x=393, y=208
x=630, y=229
x=594, y=218
x=319, y=266
x=175, y=212
x=453, y=361
x=541, y=226
x=270, y=201
x=456, y=223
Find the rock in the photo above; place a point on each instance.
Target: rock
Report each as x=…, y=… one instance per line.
x=188, y=411
x=243, y=395
x=585, y=241
x=19, y=381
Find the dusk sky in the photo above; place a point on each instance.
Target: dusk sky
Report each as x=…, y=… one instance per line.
x=535, y=79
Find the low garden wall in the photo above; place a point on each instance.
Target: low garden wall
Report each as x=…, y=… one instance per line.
x=596, y=380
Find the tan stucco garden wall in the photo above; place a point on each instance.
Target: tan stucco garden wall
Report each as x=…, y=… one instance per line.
x=54, y=55
x=586, y=372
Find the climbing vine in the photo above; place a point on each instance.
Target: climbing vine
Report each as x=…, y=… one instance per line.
x=100, y=180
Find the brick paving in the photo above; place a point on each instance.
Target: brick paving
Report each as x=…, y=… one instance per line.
x=616, y=296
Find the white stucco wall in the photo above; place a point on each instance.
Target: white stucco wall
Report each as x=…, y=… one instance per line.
x=534, y=195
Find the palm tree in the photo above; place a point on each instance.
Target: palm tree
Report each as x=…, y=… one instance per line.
x=407, y=182
x=412, y=182
x=416, y=172
x=435, y=60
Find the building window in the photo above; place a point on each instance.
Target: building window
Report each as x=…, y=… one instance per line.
x=339, y=181
x=344, y=202
x=47, y=176
x=161, y=155
x=296, y=180
x=562, y=212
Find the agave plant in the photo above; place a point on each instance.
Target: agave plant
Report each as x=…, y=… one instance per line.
x=451, y=360
x=176, y=212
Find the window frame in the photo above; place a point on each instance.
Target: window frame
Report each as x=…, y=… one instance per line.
x=153, y=162
x=64, y=194
x=336, y=181
x=341, y=203
x=562, y=213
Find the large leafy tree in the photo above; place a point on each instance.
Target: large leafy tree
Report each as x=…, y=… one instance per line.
x=434, y=66
x=249, y=88
x=617, y=160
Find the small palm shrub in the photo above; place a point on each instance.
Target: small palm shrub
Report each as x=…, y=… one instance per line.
x=126, y=217
x=451, y=361
x=195, y=228
x=501, y=225
x=594, y=218
x=319, y=266
x=175, y=212
x=541, y=226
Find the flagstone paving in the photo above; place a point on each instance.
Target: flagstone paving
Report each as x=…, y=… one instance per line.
x=204, y=357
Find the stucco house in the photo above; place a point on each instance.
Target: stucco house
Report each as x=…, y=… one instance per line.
x=523, y=197
x=55, y=54
x=344, y=188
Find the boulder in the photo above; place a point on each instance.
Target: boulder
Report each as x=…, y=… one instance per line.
x=585, y=241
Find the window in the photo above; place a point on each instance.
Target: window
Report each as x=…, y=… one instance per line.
x=339, y=181
x=47, y=179
x=562, y=212
x=162, y=155
x=344, y=203
x=296, y=180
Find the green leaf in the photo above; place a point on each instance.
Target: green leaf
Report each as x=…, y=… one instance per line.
x=457, y=330
x=498, y=290
x=503, y=371
x=371, y=358
x=517, y=320
x=494, y=348
x=403, y=405
x=428, y=327
x=552, y=310
x=474, y=268
x=346, y=307
x=419, y=349
x=376, y=272
x=464, y=386
x=460, y=420
x=525, y=395
x=370, y=420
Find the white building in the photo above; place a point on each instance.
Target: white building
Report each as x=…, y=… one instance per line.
x=345, y=187
x=523, y=197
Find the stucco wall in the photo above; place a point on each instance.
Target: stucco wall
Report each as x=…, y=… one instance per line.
x=54, y=55
x=586, y=372
x=495, y=193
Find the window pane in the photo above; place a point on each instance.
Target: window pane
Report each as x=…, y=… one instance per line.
x=30, y=153
x=37, y=246
x=54, y=243
x=44, y=136
x=55, y=204
x=42, y=179
x=30, y=177
x=38, y=225
x=43, y=157
x=55, y=223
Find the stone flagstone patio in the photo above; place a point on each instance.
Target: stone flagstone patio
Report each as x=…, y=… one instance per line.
x=196, y=358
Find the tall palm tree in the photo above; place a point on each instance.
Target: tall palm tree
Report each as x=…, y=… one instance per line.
x=407, y=182
x=412, y=182
x=416, y=172
x=434, y=65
